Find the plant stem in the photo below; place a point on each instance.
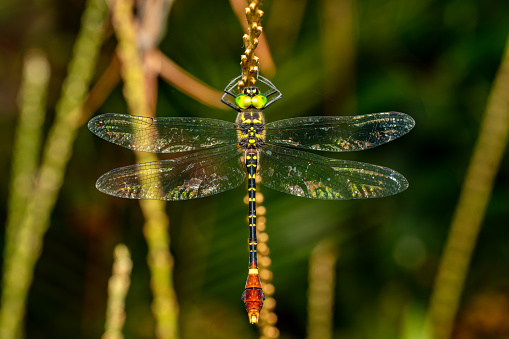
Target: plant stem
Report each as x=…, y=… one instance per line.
x=249, y=61
x=25, y=154
x=155, y=229
x=474, y=198
x=118, y=286
x=322, y=282
x=18, y=268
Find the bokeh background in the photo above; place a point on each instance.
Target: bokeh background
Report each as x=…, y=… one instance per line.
x=434, y=60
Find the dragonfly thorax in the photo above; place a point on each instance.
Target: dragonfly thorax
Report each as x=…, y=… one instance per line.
x=251, y=133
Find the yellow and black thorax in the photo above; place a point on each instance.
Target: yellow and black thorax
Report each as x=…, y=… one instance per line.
x=250, y=120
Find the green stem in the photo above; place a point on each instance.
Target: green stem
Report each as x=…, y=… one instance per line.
x=25, y=154
x=118, y=286
x=155, y=229
x=474, y=198
x=18, y=268
x=322, y=283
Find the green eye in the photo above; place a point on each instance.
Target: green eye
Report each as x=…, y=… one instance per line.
x=259, y=101
x=243, y=101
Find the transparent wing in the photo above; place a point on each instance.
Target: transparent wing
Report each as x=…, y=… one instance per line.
x=312, y=176
x=339, y=134
x=163, y=135
x=193, y=176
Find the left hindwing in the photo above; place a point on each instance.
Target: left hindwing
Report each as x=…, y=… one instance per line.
x=192, y=176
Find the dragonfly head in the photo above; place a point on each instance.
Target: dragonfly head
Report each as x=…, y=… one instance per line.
x=251, y=97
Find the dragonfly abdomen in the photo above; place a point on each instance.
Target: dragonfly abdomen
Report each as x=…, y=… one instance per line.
x=251, y=165
x=253, y=295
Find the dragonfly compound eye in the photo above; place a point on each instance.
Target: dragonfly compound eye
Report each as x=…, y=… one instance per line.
x=259, y=101
x=243, y=101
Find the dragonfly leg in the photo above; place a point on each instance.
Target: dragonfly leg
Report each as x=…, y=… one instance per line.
x=229, y=96
x=253, y=295
x=272, y=96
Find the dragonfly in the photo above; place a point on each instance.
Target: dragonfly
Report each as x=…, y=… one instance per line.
x=223, y=154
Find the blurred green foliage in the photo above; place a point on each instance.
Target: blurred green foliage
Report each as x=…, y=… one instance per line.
x=434, y=60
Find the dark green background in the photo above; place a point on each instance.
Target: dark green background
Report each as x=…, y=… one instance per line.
x=435, y=60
